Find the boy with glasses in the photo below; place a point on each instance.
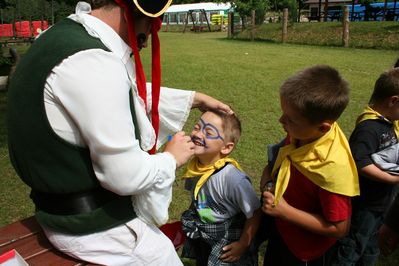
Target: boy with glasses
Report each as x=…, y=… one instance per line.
x=224, y=215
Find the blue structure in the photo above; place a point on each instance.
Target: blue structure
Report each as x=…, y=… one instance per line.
x=371, y=12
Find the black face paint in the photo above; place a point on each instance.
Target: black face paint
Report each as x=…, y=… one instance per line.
x=198, y=140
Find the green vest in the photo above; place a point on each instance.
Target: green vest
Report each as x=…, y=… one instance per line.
x=44, y=161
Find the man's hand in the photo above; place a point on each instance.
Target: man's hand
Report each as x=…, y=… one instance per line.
x=233, y=252
x=181, y=147
x=205, y=102
x=387, y=240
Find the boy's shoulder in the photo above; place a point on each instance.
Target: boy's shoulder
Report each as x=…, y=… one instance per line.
x=371, y=128
x=231, y=173
x=372, y=124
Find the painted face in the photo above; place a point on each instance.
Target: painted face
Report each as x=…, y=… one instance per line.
x=296, y=125
x=207, y=136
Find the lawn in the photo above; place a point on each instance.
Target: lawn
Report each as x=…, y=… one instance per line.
x=246, y=75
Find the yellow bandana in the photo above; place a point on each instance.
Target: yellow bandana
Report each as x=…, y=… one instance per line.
x=370, y=113
x=195, y=169
x=327, y=162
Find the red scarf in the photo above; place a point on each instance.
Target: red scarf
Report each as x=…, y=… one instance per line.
x=156, y=65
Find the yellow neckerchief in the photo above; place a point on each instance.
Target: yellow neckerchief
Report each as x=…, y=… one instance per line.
x=195, y=169
x=370, y=113
x=327, y=162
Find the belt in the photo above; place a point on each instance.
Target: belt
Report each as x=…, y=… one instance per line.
x=72, y=203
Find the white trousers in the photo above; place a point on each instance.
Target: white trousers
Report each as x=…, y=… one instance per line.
x=133, y=243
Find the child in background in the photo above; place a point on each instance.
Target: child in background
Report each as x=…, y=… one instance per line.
x=224, y=215
x=388, y=235
x=313, y=171
x=374, y=145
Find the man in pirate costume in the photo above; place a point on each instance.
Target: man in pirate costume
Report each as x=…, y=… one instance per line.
x=84, y=128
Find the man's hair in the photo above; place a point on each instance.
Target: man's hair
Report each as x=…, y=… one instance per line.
x=319, y=93
x=231, y=126
x=95, y=4
x=387, y=85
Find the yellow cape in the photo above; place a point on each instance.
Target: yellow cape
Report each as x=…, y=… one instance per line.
x=195, y=169
x=370, y=113
x=327, y=162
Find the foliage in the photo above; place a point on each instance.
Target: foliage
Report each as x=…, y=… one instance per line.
x=245, y=7
x=291, y=5
x=12, y=10
x=4, y=60
x=178, y=2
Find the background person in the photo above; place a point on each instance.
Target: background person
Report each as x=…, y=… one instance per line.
x=374, y=145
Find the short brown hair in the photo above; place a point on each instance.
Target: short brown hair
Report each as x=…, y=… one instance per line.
x=231, y=125
x=387, y=85
x=318, y=92
x=95, y=4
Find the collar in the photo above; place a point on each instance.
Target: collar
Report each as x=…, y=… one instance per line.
x=194, y=169
x=327, y=162
x=97, y=28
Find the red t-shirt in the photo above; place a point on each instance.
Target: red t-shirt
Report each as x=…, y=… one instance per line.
x=303, y=194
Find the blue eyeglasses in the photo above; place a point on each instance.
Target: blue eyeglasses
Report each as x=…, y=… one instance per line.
x=209, y=130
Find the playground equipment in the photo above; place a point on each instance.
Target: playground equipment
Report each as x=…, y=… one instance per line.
x=196, y=27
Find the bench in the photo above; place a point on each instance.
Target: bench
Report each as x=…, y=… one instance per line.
x=28, y=239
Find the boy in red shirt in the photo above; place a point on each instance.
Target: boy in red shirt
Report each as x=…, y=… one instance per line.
x=313, y=171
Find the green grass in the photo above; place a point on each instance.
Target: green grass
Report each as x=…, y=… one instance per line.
x=364, y=34
x=246, y=75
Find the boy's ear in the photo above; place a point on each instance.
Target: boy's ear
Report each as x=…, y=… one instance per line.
x=393, y=100
x=228, y=148
x=325, y=127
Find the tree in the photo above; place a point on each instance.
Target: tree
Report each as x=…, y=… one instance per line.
x=14, y=10
x=245, y=7
x=292, y=8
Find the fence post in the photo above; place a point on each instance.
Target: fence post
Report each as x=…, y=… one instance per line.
x=285, y=25
x=345, y=27
x=185, y=23
x=167, y=22
x=230, y=26
x=253, y=25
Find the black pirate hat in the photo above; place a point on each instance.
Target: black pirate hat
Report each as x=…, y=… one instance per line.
x=152, y=8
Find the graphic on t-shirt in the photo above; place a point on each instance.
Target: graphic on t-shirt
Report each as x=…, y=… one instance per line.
x=203, y=208
x=387, y=139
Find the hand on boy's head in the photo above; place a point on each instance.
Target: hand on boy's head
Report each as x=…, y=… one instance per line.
x=233, y=252
x=181, y=147
x=205, y=102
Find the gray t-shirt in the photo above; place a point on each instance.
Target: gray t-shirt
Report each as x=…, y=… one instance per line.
x=225, y=194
